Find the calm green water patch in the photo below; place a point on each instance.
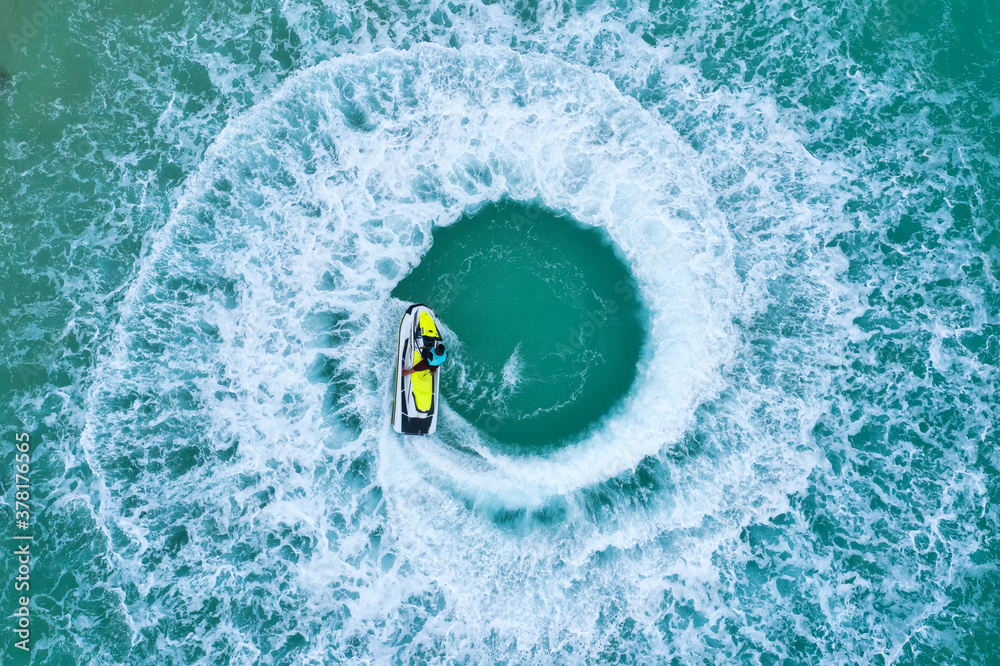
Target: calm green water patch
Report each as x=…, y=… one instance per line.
x=548, y=326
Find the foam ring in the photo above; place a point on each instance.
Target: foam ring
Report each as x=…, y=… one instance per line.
x=305, y=214
x=321, y=198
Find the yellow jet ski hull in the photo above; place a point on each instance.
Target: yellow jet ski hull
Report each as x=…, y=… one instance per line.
x=415, y=400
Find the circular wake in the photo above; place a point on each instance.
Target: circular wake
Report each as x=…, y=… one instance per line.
x=255, y=361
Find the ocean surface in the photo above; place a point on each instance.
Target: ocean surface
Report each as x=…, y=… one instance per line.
x=546, y=326
x=720, y=280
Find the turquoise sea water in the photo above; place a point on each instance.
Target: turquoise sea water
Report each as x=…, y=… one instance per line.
x=545, y=324
x=205, y=209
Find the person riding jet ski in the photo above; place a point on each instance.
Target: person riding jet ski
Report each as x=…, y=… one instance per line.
x=432, y=356
x=420, y=353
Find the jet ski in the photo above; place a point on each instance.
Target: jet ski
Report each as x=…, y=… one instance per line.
x=415, y=401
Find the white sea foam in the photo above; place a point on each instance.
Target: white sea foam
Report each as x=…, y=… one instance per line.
x=284, y=250
x=512, y=370
x=259, y=335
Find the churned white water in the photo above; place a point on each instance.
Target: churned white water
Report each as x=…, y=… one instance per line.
x=278, y=262
x=246, y=479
